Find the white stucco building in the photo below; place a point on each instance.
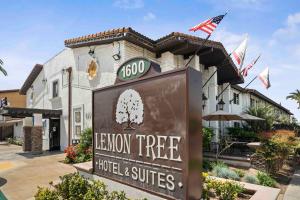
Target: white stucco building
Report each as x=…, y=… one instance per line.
x=49, y=87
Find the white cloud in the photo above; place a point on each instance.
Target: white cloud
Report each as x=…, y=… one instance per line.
x=149, y=16
x=291, y=30
x=240, y=4
x=230, y=40
x=129, y=4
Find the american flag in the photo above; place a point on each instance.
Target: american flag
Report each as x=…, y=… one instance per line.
x=244, y=72
x=208, y=26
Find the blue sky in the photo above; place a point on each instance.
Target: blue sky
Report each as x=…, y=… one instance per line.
x=34, y=31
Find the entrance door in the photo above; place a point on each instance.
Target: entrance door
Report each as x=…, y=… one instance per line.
x=54, y=134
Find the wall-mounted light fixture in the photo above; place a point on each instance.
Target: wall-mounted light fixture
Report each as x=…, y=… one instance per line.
x=44, y=80
x=92, y=52
x=221, y=104
x=117, y=56
x=204, y=99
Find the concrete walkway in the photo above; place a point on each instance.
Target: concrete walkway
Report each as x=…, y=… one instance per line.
x=21, y=173
x=293, y=190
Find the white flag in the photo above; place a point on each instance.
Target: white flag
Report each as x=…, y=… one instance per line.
x=240, y=52
x=265, y=78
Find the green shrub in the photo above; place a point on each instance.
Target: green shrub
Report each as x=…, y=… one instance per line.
x=225, y=190
x=224, y=172
x=86, y=139
x=75, y=187
x=251, y=179
x=239, y=172
x=206, y=165
x=218, y=164
x=72, y=186
x=97, y=190
x=46, y=194
x=208, y=134
x=265, y=179
x=82, y=152
x=241, y=133
x=15, y=140
x=117, y=196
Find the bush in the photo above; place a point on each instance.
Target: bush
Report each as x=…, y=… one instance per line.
x=46, y=194
x=15, y=141
x=224, y=172
x=265, y=179
x=82, y=152
x=251, y=179
x=218, y=164
x=75, y=187
x=72, y=186
x=225, y=190
x=70, y=154
x=86, y=139
x=98, y=190
x=208, y=133
x=276, y=150
x=206, y=165
x=242, y=133
x=240, y=173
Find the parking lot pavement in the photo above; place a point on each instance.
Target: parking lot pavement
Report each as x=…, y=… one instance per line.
x=21, y=173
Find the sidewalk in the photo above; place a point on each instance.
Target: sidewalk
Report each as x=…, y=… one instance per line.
x=21, y=173
x=293, y=190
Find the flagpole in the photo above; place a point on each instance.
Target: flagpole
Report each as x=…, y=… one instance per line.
x=217, y=97
x=245, y=87
x=223, y=62
x=196, y=52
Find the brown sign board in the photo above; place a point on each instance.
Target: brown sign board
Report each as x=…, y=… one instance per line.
x=147, y=133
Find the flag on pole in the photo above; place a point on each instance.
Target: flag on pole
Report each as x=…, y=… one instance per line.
x=240, y=52
x=2, y=69
x=244, y=72
x=208, y=26
x=264, y=77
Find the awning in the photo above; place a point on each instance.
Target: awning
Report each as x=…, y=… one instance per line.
x=28, y=112
x=221, y=115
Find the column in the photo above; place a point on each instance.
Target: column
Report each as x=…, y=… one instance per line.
x=37, y=134
x=27, y=126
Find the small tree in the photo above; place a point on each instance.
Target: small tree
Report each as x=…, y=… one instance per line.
x=130, y=108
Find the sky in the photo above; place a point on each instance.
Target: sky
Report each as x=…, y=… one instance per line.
x=33, y=31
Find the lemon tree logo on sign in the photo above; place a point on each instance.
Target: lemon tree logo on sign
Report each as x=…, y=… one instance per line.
x=130, y=108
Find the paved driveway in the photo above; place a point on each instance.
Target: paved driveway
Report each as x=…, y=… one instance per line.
x=21, y=173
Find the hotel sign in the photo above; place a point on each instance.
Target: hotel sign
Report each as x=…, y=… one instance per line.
x=147, y=133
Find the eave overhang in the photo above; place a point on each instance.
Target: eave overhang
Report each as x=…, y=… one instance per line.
x=212, y=53
x=28, y=112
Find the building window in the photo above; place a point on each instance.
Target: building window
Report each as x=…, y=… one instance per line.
x=252, y=102
x=236, y=124
x=55, y=89
x=78, y=121
x=236, y=98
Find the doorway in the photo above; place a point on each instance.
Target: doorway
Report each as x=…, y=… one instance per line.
x=54, y=134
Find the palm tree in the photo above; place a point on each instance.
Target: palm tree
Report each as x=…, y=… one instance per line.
x=295, y=96
x=265, y=112
x=2, y=69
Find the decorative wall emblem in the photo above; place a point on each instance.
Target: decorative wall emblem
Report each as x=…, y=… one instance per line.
x=92, y=69
x=130, y=108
